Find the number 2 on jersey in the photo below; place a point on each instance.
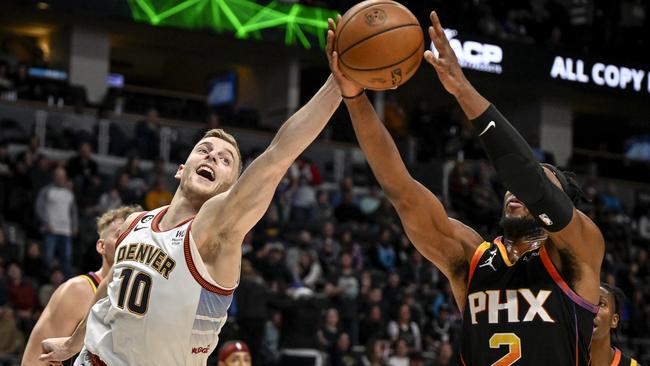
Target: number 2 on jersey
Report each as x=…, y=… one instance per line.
x=514, y=348
x=138, y=297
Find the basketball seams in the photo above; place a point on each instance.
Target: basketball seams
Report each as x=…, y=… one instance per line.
x=420, y=46
x=376, y=34
x=340, y=29
x=386, y=48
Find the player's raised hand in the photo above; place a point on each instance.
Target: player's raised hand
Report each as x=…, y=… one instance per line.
x=445, y=62
x=56, y=350
x=348, y=87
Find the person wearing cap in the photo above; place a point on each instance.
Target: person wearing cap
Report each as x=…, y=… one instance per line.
x=234, y=353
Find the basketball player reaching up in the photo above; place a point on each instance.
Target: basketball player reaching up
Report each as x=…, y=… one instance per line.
x=176, y=267
x=534, y=302
x=70, y=302
x=607, y=322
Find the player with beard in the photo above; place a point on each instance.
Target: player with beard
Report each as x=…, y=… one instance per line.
x=176, y=267
x=606, y=324
x=528, y=298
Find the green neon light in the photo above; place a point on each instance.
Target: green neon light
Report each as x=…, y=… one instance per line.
x=245, y=18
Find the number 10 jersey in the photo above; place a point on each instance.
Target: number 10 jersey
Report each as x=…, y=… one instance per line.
x=523, y=313
x=162, y=307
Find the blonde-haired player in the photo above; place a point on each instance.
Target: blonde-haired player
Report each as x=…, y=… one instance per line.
x=71, y=301
x=176, y=267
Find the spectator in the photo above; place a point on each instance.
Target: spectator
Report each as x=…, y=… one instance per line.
x=57, y=212
x=309, y=270
x=84, y=171
x=21, y=296
x=5, y=83
x=329, y=332
x=373, y=325
x=8, y=251
x=370, y=202
x=271, y=343
x=127, y=195
x=384, y=254
x=445, y=355
x=12, y=339
x=323, y=209
x=109, y=200
x=404, y=328
x=252, y=302
x=158, y=196
x=5, y=175
x=401, y=356
x=34, y=266
x=644, y=226
x=348, y=244
x=20, y=200
x=147, y=135
x=376, y=353
x=24, y=86
x=270, y=263
x=441, y=326
x=46, y=291
x=343, y=355
x=137, y=182
x=303, y=200
x=347, y=210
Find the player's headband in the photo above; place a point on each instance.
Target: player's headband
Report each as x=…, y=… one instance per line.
x=232, y=347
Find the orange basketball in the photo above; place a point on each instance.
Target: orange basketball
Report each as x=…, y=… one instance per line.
x=379, y=43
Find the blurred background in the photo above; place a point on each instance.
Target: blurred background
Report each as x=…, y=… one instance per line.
x=116, y=92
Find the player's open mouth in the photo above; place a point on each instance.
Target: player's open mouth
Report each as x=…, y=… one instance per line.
x=515, y=203
x=206, y=172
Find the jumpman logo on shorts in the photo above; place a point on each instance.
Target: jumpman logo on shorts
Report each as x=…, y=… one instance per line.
x=488, y=262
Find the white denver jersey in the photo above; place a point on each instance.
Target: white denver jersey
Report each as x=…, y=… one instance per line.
x=162, y=307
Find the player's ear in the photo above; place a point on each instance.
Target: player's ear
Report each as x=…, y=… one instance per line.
x=615, y=319
x=100, y=246
x=179, y=172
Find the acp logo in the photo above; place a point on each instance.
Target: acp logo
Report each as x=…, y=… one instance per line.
x=474, y=55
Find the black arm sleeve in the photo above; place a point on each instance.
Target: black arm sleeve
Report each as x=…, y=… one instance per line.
x=521, y=173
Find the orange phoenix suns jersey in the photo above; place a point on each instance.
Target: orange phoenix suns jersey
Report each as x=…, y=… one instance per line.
x=620, y=359
x=523, y=313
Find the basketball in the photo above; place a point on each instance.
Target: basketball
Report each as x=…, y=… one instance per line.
x=379, y=43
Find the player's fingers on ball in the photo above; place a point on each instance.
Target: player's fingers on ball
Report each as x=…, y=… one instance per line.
x=338, y=19
x=330, y=44
x=330, y=23
x=335, y=62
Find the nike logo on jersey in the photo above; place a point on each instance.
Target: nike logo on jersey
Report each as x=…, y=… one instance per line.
x=490, y=125
x=491, y=302
x=145, y=219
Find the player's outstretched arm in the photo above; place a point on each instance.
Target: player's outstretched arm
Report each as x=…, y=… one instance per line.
x=225, y=219
x=66, y=308
x=446, y=242
x=62, y=348
x=520, y=171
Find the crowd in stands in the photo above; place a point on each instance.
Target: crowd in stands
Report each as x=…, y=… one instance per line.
x=365, y=295
x=340, y=256
x=590, y=24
